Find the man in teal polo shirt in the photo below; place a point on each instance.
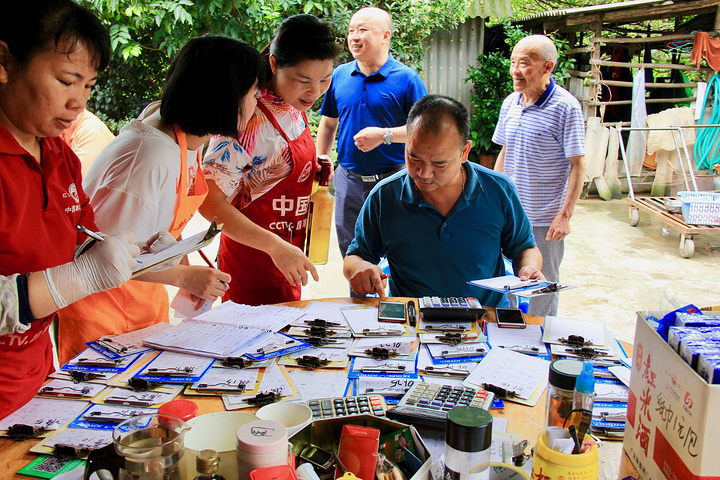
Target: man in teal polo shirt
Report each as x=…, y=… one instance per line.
x=442, y=221
x=367, y=104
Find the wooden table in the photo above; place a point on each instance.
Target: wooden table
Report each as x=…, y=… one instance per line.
x=528, y=421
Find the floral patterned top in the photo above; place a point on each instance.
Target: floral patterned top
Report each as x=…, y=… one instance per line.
x=246, y=168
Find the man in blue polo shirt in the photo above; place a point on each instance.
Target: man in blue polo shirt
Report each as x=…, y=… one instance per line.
x=542, y=132
x=442, y=221
x=368, y=100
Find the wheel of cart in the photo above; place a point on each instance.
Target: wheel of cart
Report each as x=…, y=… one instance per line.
x=687, y=246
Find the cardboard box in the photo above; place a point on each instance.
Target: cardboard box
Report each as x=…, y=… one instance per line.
x=324, y=433
x=673, y=417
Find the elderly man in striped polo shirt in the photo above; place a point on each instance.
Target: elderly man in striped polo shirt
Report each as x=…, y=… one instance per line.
x=541, y=131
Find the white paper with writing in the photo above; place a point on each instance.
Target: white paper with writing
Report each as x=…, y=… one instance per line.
x=511, y=371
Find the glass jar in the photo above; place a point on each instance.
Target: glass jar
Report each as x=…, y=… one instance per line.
x=561, y=383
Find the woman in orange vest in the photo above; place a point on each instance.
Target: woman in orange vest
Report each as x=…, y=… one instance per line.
x=260, y=183
x=149, y=179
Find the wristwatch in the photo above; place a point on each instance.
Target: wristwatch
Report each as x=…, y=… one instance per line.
x=388, y=137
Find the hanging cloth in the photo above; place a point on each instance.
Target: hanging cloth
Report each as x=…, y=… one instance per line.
x=708, y=48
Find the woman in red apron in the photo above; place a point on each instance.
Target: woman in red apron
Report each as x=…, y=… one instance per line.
x=145, y=181
x=259, y=186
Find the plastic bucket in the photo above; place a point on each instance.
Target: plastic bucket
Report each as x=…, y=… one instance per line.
x=551, y=465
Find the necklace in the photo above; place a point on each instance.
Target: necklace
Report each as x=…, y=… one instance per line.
x=462, y=171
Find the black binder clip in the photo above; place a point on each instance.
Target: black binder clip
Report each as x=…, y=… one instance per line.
x=264, y=399
x=69, y=451
x=550, y=288
x=499, y=391
x=319, y=322
x=320, y=332
x=587, y=352
x=575, y=341
x=380, y=353
x=141, y=385
x=237, y=362
x=310, y=362
x=320, y=341
x=78, y=376
x=452, y=338
x=20, y=431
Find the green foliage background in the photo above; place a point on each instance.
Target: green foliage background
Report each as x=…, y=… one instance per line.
x=146, y=34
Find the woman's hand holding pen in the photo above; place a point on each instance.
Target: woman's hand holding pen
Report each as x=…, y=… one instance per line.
x=292, y=262
x=204, y=282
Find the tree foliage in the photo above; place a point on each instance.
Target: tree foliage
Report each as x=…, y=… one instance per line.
x=146, y=34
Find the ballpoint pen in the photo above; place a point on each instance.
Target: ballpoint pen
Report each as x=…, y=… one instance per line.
x=89, y=233
x=412, y=315
x=209, y=263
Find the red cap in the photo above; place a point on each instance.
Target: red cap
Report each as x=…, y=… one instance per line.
x=183, y=409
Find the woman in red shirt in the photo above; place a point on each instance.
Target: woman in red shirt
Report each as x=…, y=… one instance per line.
x=50, y=53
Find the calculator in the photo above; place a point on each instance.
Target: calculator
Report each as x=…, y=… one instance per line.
x=427, y=404
x=346, y=406
x=448, y=309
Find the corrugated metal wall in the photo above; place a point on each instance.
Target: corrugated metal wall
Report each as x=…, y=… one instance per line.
x=449, y=55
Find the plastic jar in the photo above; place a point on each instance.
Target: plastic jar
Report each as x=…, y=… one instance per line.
x=561, y=383
x=551, y=464
x=468, y=435
x=262, y=443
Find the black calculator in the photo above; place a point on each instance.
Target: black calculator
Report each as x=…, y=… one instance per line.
x=427, y=404
x=345, y=406
x=448, y=309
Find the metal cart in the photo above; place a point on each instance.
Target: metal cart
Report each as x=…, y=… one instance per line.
x=667, y=209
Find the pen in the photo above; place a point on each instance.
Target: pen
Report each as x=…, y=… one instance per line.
x=411, y=313
x=522, y=284
x=209, y=264
x=89, y=233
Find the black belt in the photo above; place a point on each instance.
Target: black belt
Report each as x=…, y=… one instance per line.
x=376, y=177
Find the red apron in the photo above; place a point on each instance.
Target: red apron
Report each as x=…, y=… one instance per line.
x=283, y=210
x=136, y=304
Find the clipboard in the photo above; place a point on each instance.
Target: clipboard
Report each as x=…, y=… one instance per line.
x=511, y=284
x=148, y=261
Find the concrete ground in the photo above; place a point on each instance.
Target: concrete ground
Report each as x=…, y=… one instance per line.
x=618, y=269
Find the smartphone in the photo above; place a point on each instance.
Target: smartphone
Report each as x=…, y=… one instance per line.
x=510, y=318
x=317, y=456
x=391, y=312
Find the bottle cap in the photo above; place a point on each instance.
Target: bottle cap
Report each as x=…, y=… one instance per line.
x=586, y=381
x=324, y=161
x=262, y=436
x=564, y=372
x=468, y=429
x=207, y=462
x=183, y=409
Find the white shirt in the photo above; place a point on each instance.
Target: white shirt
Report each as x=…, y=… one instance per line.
x=133, y=182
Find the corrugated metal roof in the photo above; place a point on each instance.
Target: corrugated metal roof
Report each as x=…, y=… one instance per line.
x=489, y=8
x=590, y=9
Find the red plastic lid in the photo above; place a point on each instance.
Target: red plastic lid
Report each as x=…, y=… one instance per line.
x=183, y=409
x=279, y=472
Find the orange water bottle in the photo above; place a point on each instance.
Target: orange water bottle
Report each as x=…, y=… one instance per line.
x=319, y=223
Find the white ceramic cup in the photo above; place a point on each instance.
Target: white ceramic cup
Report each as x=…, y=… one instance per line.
x=293, y=415
x=216, y=431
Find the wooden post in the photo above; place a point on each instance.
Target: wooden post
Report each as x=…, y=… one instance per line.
x=594, y=68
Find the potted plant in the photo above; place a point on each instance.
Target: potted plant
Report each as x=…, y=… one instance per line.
x=491, y=84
